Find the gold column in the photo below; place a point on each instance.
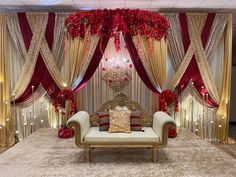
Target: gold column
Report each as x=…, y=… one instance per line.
x=6, y=120
x=222, y=127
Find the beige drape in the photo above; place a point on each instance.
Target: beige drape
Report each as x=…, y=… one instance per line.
x=223, y=110
x=153, y=54
x=217, y=31
x=6, y=119
x=175, y=43
x=58, y=51
x=79, y=53
x=15, y=31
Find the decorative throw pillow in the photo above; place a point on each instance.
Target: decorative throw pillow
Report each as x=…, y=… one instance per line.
x=103, y=121
x=135, y=121
x=119, y=121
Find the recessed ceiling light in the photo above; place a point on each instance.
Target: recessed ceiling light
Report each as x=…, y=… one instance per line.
x=86, y=8
x=51, y=2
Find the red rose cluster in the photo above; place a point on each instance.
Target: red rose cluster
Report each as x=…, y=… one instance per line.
x=172, y=133
x=65, y=132
x=166, y=98
x=113, y=23
x=62, y=96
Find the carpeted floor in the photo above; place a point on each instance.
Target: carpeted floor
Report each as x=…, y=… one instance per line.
x=44, y=155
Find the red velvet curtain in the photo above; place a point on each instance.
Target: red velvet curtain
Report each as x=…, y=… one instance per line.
x=97, y=56
x=192, y=72
x=41, y=73
x=138, y=63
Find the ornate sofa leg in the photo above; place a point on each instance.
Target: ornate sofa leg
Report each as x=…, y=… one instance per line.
x=87, y=154
x=155, y=153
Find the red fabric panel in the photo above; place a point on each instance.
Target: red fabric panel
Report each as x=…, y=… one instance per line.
x=25, y=29
x=49, y=33
x=184, y=30
x=207, y=28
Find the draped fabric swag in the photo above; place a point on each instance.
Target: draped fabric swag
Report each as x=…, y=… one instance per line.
x=224, y=107
x=78, y=56
x=153, y=55
x=193, y=40
x=138, y=64
x=17, y=64
x=202, y=75
x=38, y=48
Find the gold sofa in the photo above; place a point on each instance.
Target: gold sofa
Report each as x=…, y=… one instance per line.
x=88, y=136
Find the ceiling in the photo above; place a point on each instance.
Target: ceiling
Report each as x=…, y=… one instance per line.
x=153, y=5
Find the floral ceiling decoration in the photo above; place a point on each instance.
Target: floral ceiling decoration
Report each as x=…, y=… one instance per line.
x=113, y=23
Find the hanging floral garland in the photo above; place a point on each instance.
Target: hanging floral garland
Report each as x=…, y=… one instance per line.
x=113, y=23
x=60, y=101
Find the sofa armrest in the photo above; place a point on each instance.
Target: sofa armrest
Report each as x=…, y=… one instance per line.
x=81, y=123
x=161, y=123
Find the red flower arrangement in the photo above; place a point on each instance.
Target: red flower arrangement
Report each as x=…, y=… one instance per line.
x=65, y=132
x=166, y=98
x=172, y=133
x=113, y=23
x=62, y=96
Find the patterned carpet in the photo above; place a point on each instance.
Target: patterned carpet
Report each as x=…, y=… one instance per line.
x=44, y=155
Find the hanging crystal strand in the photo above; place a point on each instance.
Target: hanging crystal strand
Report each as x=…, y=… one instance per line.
x=181, y=109
x=206, y=120
x=197, y=116
x=33, y=106
x=41, y=113
x=189, y=114
x=222, y=128
x=192, y=105
x=7, y=124
x=25, y=125
x=212, y=126
x=203, y=116
x=201, y=120
x=197, y=127
x=14, y=118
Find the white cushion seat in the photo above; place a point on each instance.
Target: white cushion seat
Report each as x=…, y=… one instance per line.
x=148, y=135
